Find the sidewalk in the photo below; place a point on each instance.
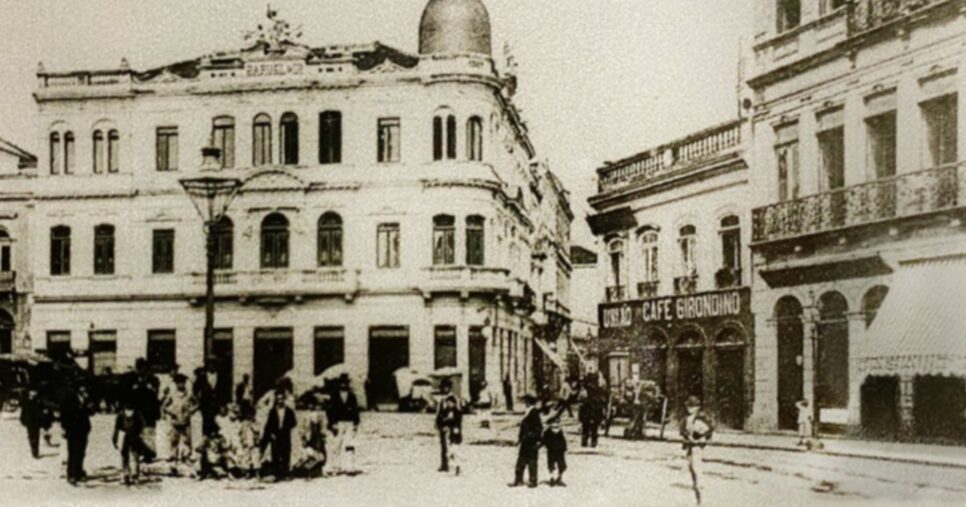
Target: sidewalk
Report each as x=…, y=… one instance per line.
x=922, y=454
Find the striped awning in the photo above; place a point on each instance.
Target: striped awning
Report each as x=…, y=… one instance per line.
x=920, y=329
x=553, y=356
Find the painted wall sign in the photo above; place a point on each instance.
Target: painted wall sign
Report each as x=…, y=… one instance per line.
x=282, y=68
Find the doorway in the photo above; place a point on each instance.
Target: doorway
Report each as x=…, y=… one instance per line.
x=477, y=362
x=222, y=347
x=273, y=358
x=690, y=375
x=730, y=386
x=6, y=333
x=388, y=351
x=791, y=335
x=880, y=407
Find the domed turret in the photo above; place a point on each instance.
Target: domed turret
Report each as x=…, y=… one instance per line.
x=455, y=26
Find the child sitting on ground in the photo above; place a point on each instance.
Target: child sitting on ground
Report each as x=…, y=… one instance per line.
x=556, y=443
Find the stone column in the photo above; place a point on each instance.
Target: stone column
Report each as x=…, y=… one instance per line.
x=857, y=330
x=810, y=330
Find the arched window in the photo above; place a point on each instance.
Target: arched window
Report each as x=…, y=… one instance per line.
x=330, y=137
x=289, y=139
x=688, y=240
x=832, y=377
x=649, y=251
x=616, y=251
x=474, y=138
x=55, y=153
x=223, y=138
x=104, y=250
x=262, y=140
x=60, y=250
x=330, y=240
x=475, y=240
x=99, y=151
x=872, y=301
x=444, y=240
x=730, y=232
x=275, y=241
x=113, y=151
x=444, y=135
x=69, y=153
x=223, y=240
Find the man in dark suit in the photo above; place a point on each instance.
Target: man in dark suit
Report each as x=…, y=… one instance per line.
x=343, y=415
x=32, y=415
x=278, y=433
x=531, y=433
x=75, y=419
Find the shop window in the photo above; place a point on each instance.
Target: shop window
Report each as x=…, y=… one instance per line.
x=262, y=140
x=387, y=246
x=475, y=240
x=162, y=351
x=444, y=348
x=329, y=343
x=789, y=15
x=275, y=238
x=940, y=117
x=223, y=138
x=60, y=251
x=389, y=142
x=474, y=138
x=58, y=345
x=162, y=254
x=224, y=243
x=166, y=148
x=330, y=240
x=104, y=250
x=444, y=240
x=289, y=139
x=330, y=137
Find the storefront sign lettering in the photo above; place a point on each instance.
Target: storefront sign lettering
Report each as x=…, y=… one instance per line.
x=673, y=309
x=262, y=69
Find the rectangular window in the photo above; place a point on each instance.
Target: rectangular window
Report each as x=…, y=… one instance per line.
x=475, y=241
x=444, y=241
x=54, y=153
x=445, y=347
x=789, y=15
x=329, y=347
x=103, y=352
x=330, y=137
x=387, y=245
x=58, y=344
x=881, y=131
x=831, y=147
x=104, y=250
x=167, y=148
x=5, y=260
x=69, y=153
x=940, y=117
x=162, y=254
x=60, y=251
x=650, y=251
x=786, y=154
x=389, y=142
x=113, y=152
x=223, y=138
x=731, y=248
x=99, y=151
x=262, y=141
x=161, y=353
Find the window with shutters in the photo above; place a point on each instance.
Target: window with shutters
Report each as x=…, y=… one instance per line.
x=330, y=240
x=60, y=251
x=275, y=241
x=104, y=250
x=330, y=137
x=444, y=240
x=262, y=140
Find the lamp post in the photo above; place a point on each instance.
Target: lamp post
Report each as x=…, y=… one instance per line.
x=211, y=194
x=815, y=315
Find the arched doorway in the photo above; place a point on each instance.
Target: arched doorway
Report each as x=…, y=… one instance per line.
x=654, y=358
x=7, y=327
x=832, y=374
x=729, y=372
x=690, y=378
x=791, y=334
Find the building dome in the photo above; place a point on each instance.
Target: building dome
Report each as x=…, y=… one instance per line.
x=455, y=26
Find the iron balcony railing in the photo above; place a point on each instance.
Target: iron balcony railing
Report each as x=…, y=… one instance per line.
x=671, y=157
x=647, y=290
x=684, y=285
x=868, y=15
x=616, y=294
x=899, y=196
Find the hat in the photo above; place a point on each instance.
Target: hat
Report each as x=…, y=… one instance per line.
x=692, y=401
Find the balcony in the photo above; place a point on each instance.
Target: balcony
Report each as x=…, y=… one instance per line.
x=616, y=294
x=465, y=279
x=684, y=285
x=646, y=290
x=871, y=14
x=673, y=159
x=901, y=196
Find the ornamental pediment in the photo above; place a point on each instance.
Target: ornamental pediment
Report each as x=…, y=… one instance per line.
x=273, y=180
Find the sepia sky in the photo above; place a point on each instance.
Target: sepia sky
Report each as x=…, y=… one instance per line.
x=599, y=79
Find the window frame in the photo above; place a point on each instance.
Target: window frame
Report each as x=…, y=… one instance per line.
x=444, y=240
x=104, y=248
x=167, y=154
x=223, y=243
x=60, y=239
x=474, y=139
x=54, y=145
x=69, y=152
x=288, y=129
x=261, y=140
x=98, y=152
x=388, y=245
x=329, y=240
x=445, y=348
x=942, y=150
x=688, y=242
x=274, y=235
x=475, y=240
x=163, y=251
x=330, y=137
x=389, y=140
x=113, y=151
x=223, y=137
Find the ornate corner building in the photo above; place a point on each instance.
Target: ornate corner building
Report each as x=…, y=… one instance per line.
x=393, y=213
x=858, y=240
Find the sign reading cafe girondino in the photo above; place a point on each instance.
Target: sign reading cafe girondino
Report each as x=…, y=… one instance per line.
x=675, y=309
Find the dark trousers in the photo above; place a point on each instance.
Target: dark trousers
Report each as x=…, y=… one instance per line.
x=33, y=437
x=557, y=461
x=588, y=434
x=443, y=451
x=281, y=461
x=527, y=459
x=76, y=450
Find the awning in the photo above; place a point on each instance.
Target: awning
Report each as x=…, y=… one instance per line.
x=553, y=356
x=620, y=219
x=920, y=329
x=863, y=267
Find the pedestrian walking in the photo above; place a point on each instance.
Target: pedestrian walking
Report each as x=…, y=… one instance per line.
x=128, y=428
x=449, y=424
x=278, y=434
x=343, y=423
x=75, y=419
x=555, y=442
x=567, y=395
x=590, y=415
x=33, y=417
x=178, y=407
x=508, y=393
x=696, y=430
x=528, y=443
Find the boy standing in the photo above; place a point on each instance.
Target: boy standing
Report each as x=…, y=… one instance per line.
x=696, y=430
x=129, y=426
x=449, y=421
x=556, y=443
x=804, y=423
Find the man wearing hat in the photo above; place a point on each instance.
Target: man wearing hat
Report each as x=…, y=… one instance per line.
x=178, y=407
x=75, y=419
x=528, y=442
x=449, y=423
x=343, y=423
x=696, y=430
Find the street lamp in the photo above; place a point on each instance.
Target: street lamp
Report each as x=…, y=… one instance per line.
x=815, y=315
x=211, y=194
